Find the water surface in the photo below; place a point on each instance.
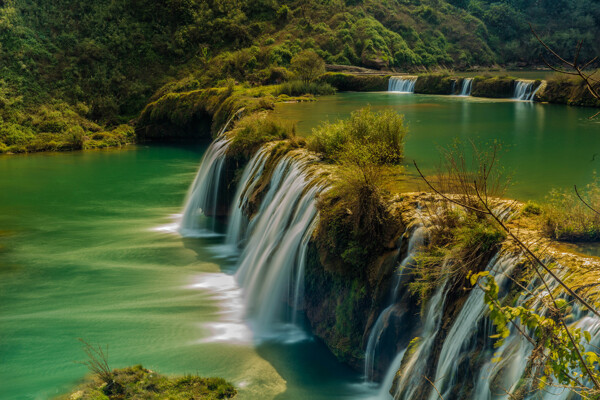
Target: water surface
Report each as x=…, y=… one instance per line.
x=87, y=251
x=544, y=145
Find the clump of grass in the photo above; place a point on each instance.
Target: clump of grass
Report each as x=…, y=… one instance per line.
x=256, y=129
x=567, y=218
x=299, y=88
x=459, y=242
x=532, y=208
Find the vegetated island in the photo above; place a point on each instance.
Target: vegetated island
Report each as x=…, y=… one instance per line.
x=138, y=382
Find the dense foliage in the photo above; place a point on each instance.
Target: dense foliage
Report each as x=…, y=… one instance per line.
x=71, y=64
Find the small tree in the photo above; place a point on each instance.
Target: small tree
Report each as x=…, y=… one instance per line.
x=97, y=363
x=308, y=65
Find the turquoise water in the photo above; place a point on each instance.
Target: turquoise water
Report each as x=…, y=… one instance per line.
x=544, y=145
x=87, y=251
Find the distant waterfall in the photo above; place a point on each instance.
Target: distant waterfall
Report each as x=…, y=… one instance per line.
x=466, y=86
x=525, y=90
x=399, y=84
x=202, y=199
x=271, y=267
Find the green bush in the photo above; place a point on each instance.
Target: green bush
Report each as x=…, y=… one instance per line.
x=299, y=88
x=567, y=218
x=307, y=66
x=355, y=224
x=253, y=131
x=532, y=208
x=367, y=137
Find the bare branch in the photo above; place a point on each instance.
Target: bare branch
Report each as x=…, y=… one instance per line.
x=549, y=49
x=436, y=389
x=581, y=198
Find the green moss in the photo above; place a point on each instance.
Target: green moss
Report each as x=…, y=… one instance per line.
x=346, y=315
x=435, y=84
x=459, y=243
x=563, y=89
x=256, y=129
x=495, y=87
x=140, y=383
x=356, y=83
x=299, y=88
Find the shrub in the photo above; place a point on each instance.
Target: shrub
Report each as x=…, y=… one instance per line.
x=566, y=218
x=461, y=240
x=355, y=224
x=307, y=65
x=366, y=138
x=532, y=208
x=299, y=88
x=256, y=129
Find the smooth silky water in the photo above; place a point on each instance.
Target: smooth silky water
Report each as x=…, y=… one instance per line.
x=545, y=146
x=89, y=249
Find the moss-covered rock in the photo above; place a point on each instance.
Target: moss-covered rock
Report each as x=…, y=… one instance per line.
x=356, y=82
x=436, y=84
x=562, y=90
x=496, y=87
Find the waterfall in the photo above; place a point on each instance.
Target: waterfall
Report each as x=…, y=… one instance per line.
x=238, y=222
x=524, y=90
x=412, y=372
x=464, y=328
x=271, y=266
x=200, y=209
x=202, y=199
x=416, y=241
x=400, y=84
x=466, y=86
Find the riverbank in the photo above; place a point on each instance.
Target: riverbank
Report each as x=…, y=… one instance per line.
x=180, y=116
x=558, y=89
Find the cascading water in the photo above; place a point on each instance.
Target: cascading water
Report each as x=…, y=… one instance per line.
x=202, y=199
x=412, y=372
x=525, y=90
x=466, y=86
x=271, y=265
x=271, y=273
x=464, y=328
x=201, y=202
x=238, y=222
x=415, y=242
x=400, y=84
